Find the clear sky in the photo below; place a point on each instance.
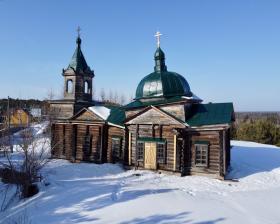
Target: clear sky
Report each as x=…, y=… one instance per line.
x=229, y=51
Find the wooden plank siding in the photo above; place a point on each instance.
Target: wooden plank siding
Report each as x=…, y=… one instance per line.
x=68, y=141
x=113, y=132
x=69, y=146
x=214, y=154
x=164, y=131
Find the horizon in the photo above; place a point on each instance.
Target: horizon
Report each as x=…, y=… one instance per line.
x=228, y=52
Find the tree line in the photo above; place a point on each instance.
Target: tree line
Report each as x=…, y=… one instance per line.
x=21, y=103
x=264, y=130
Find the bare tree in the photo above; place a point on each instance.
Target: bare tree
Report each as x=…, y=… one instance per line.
x=22, y=170
x=50, y=94
x=111, y=96
x=102, y=95
x=93, y=92
x=131, y=98
x=122, y=99
x=116, y=97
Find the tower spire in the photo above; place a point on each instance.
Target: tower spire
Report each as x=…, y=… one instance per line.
x=78, y=61
x=79, y=40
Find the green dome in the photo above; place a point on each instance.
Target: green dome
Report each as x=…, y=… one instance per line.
x=162, y=82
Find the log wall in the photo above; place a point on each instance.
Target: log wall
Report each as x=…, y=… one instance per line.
x=113, y=132
x=156, y=131
x=214, y=152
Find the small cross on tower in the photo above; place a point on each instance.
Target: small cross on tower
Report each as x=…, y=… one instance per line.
x=158, y=34
x=79, y=31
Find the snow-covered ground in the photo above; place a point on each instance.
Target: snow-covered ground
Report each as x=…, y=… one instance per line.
x=91, y=193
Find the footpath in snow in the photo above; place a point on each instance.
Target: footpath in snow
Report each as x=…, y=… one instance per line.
x=91, y=193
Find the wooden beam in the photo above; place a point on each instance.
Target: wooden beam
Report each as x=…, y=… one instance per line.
x=175, y=149
x=129, y=148
x=160, y=131
x=101, y=133
x=224, y=152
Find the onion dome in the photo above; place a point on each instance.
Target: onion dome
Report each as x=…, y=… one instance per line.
x=162, y=83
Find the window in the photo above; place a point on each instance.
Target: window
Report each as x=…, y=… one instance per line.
x=179, y=153
x=140, y=151
x=87, y=146
x=161, y=152
x=116, y=148
x=69, y=86
x=86, y=87
x=201, y=155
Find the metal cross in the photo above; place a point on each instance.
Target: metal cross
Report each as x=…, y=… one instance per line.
x=79, y=31
x=158, y=34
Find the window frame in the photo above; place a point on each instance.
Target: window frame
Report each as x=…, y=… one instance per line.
x=141, y=157
x=203, y=149
x=119, y=151
x=87, y=146
x=162, y=159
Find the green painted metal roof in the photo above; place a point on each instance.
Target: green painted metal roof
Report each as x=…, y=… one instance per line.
x=78, y=61
x=162, y=82
x=210, y=114
x=138, y=103
x=202, y=142
x=149, y=139
x=117, y=115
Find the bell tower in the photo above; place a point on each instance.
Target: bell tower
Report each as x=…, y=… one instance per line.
x=78, y=76
x=77, y=91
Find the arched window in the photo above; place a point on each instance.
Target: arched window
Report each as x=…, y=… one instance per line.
x=69, y=86
x=86, y=87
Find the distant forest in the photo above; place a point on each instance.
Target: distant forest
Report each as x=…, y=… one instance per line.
x=262, y=127
x=23, y=104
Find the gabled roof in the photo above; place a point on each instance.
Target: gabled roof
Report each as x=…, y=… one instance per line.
x=112, y=114
x=172, y=119
x=211, y=114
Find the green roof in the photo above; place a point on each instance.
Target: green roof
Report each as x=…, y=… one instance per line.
x=117, y=115
x=78, y=61
x=150, y=139
x=162, y=82
x=202, y=142
x=210, y=114
x=138, y=103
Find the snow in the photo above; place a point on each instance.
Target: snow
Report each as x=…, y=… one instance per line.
x=101, y=111
x=36, y=129
x=193, y=97
x=93, y=193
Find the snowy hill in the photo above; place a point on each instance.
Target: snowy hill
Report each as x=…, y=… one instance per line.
x=91, y=193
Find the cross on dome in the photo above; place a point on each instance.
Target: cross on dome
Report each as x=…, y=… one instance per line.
x=157, y=35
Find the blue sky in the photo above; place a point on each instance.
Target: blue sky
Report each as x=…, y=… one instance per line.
x=229, y=51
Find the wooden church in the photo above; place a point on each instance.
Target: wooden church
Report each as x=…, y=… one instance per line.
x=165, y=128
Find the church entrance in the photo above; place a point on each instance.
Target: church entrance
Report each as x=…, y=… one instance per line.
x=150, y=155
